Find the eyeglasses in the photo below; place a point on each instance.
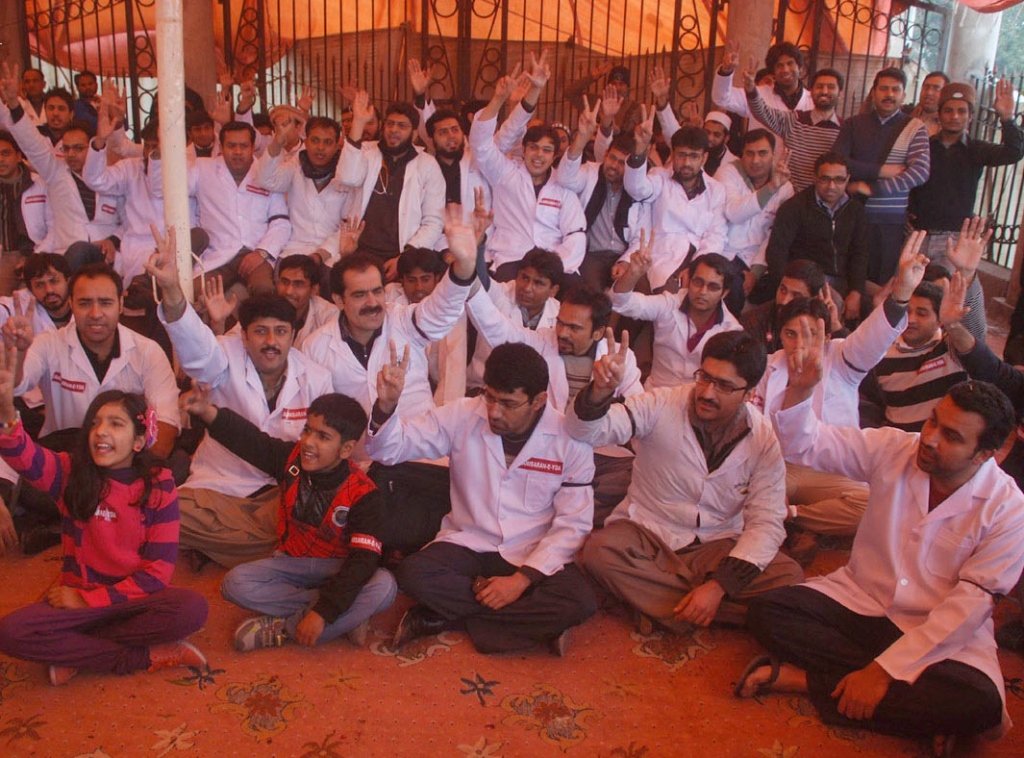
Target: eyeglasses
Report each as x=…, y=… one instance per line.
x=504, y=404
x=837, y=180
x=700, y=376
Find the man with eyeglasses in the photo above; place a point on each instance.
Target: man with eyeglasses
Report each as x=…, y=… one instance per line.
x=521, y=505
x=822, y=225
x=698, y=533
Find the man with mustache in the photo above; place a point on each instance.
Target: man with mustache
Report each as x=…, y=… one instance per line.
x=228, y=506
x=698, y=532
x=888, y=155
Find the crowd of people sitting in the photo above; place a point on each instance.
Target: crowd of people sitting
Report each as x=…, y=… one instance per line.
x=508, y=368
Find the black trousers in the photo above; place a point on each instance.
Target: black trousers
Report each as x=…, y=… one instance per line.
x=810, y=630
x=885, y=241
x=441, y=577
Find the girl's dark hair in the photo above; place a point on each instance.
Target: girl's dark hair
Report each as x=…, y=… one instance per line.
x=87, y=483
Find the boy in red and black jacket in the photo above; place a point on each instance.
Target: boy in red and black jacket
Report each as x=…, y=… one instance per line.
x=325, y=579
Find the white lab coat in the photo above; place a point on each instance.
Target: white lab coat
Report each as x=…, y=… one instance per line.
x=412, y=325
x=846, y=363
x=38, y=118
x=933, y=574
x=421, y=204
x=734, y=99
x=672, y=363
x=245, y=214
x=37, y=212
x=56, y=363
x=224, y=365
x=749, y=223
x=470, y=179
x=678, y=222
x=673, y=495
x=315, y=215
x=524, y=219
x=535, y=512
x=670, y=125
x=496, y=329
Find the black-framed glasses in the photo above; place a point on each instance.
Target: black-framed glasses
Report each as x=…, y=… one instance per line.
x=503, y=403
x=700, y=376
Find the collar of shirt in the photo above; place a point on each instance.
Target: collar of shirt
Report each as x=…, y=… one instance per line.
x=698, y=188
x=843, y=200
x=101, y=366
x=718, y=440
x=361, y=352
x=883, y=120
x=834, y=118
x=791, y=101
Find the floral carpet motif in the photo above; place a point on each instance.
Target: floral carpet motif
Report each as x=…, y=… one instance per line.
x=674, y=650
x=11, y=678
x=554, y=716
x=265, y=705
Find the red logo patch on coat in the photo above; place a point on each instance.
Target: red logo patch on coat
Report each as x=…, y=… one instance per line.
x=544, y=466
x=550, y=202
x=293, y=414
x=108, y=209
x=30, y=199
x=932, y=365
x=69, y=384
x=257, y=190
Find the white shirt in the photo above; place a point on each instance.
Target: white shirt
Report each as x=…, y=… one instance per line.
x=224, y=365
x=321, y=312
x=749, y=222
x=56, y=362
x=678, y=222
x=523, y=218
x=534, y=512
x=315, y=215
x=672, y=362
x=933, y=574
x=673, y=495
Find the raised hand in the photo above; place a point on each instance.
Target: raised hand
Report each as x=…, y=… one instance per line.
x=419, y=79
x=17, y=330
x=540, y=70
x=115, y=101
x=10, y=83
x=610, y=368
x=305, y=101
x=197, y=402
x=521, y=85
x=780, y=171
x=970, y=246
x=286, y=132
x=611, y=104
x=731, y=58
x=483, y=216
x=835, y=323
x=952, y=309
x=806, y=358
x=8, y=379
x=911, y=266
x=588, y=119
x=218, y=305
x=222, y=111
x=749, y=75
x=1005, y=103
x=351, y=229
x=659, y=84
x=391, y=378
x=691, y=115
x=462, y=242
x=645, y=129
x=639, y=262
x=362, y=114
x=247, y=94
x=163, y=265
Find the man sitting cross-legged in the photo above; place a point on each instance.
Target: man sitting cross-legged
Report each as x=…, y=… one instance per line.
x=521, y=506
x=324, y=579
x=900, y=639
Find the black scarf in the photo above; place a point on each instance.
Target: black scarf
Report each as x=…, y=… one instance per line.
x=321, y=174
x=596, y=203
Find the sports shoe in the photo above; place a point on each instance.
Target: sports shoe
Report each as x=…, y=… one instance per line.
x=61, y=675
x=258, y=632
x=174, y=654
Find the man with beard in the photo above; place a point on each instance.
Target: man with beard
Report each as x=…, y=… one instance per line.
x=900, y=639
x=807, y=134
x=235, y=208
x=402, y=188
x=316, y=203
x=927, y=108
x=521, y=505
x=785, y=61
x=701, y=450
x=87, y=102
x=529, y=210
x=19, y=189
x=59, y=107
x=613, y=218
x=888, y=156
x=228, y=506
x=298, y=282
x=684, y=321
x=33, y=87
x=687, y=205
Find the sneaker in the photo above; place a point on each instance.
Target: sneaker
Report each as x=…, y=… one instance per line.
x=174, y=654
x=258, y=632
x=359, y=635
x=61, y=675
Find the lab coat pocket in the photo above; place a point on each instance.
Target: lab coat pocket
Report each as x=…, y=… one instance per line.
x=540, y=491
x=946, y=553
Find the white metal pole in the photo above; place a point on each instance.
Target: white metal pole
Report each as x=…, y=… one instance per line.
x=171, y=72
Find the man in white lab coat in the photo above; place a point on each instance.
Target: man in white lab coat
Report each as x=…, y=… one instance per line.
x=521, y=507
x=900, y=639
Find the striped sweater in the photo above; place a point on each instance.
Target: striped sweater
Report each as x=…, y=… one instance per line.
x=862, y=139
x=124, y=551
x=913, y=380
x=805, y=140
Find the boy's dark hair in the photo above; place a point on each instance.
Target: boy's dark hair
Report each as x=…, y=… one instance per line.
x=624, y=143
x=261, y=119
x=808, y=272
x=78, y=125
x=96, y=271
x=322, y=122
x=340, y=412
x=828, y=72
x=544, y=262
x=746, y=353
x=935, y=271
x=536, y=133
x=891, y=73
x=989, y=402
x=83, y=74
x=780, y=49
x=6, y=136
x=599, y=303
x=266, y=306
x=404, y=109
x=38, y=264
x=151, y=130
x=62, y=94
x=802, y=306
x=831, y=158
x=357, y=262
x=719, y=263
x=237, y=126
x=692, y=137
x=755, y=135
x=300, y=262
x=931, y=292
x=941, y=74
x=443, y=115
x=423, y=258
x=197, y=118
x=514, y=366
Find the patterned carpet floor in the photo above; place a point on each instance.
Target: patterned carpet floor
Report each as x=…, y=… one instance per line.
x=617, y=694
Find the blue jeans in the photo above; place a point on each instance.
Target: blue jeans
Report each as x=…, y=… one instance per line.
x=286, y=586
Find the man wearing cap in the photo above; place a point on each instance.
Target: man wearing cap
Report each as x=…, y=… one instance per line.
x=618, y=77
